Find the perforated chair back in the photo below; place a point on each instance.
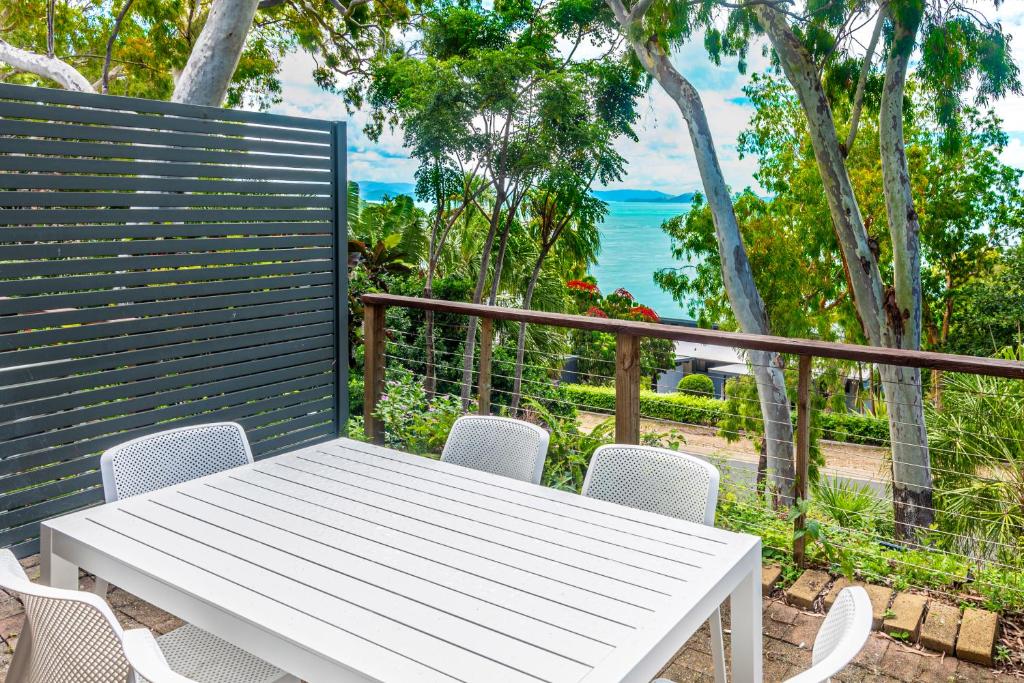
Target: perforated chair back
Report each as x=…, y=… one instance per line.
x=654, y=479
x=500, y=445
x=842, y=635
x=68, y=635
x=172, y=457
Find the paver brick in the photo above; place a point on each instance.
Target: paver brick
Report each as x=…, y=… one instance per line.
x=770, y=575
x=907, y=611
x=807, y=588
x=940, y=626
x=879, y=596
x=977, y=636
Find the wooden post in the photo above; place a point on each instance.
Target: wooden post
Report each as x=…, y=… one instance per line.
x=484, y=388
x=627, y=388
x=373, y=374
x=803, y=452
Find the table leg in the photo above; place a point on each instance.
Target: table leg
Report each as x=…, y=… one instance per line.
x=746, y=626
x=54, y=570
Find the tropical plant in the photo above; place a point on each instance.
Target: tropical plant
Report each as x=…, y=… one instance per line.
x=570, y=448
x=850, y=505
x=413, y=421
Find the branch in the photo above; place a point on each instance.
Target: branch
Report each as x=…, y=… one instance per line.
x=267, y=4
x=639, y=10
x=858, y=99
x=57, y=70
x=110, y=44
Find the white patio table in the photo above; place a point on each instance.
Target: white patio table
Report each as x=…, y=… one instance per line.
x=350, y=562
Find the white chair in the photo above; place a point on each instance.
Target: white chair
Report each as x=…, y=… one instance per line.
x=72, y=636
x=842, y=635
x=840, y=638
x=662, y=481
x=499, y=445
x=170, y=457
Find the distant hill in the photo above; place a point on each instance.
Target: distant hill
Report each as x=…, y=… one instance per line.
x=643, y=196
x=374, y=191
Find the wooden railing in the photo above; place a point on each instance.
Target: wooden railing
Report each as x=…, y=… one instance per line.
x=627, y=364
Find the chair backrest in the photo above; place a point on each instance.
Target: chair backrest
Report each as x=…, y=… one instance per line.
x=172, y=457
x=654, y=479
x=68, y=635
x=500, y=445
x=842, y=635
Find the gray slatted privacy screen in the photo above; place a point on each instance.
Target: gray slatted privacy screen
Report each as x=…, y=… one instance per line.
x=160, y=265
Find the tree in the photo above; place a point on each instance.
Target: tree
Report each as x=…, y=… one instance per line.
x=957, y=46
x=207, y=52
x=487, y=91
x=652, y=27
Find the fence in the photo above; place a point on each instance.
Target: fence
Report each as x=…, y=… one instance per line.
x=949, y=559
x=160, y=265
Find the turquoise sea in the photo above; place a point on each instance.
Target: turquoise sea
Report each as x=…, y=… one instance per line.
x=633, y=246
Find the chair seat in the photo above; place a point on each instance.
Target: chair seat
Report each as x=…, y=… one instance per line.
x=205, y=658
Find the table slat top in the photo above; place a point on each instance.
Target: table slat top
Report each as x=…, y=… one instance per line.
x=404, y=568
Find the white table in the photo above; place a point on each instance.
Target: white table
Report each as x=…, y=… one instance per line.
x=350, y=562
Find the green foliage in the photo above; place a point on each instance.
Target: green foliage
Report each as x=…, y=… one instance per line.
x=990, y=311
x=413, y=421
x=848, y=504
x=977, y=440
x=570, y=448
x=853, y=428
x=696, y=384
x=673, y=407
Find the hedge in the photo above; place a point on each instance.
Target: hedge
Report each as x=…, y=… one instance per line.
x=700, y=410
x=674, y=407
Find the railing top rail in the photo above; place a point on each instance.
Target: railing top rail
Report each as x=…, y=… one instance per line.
x=808, y=347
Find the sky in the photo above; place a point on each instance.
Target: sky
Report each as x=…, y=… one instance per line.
x=662, y=158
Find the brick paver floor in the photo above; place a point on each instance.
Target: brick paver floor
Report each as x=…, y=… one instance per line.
x=788, y=636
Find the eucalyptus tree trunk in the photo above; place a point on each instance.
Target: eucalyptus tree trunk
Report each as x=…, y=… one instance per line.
x=214, y=57
x=889, y=317
x=737, y=276
x=57, y=70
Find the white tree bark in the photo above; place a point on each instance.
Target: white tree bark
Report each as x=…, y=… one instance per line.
x=214, y=58
x=890, y=318
x=912, y=478
x=745, y=300
x=59, y=71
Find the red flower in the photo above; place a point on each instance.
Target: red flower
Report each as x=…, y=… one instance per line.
x=646, y=313
x=624, y=293
x=582, y=286
x=595, y=312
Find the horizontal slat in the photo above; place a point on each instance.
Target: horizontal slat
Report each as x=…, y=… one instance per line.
x=32, y=181
x=137, y=278
x=86, y=382
x=19, y=417
x=52, y=488
x=98, y=436
x=131, y=104
x=147, y=121
x=62, y=216
x=62, y=148
x=72, y=426
x=286, y=419
x=264, y=332
x=161, y=338
x=159, y=230
x=40, y=511
x=135, y=136
x=158, y=199
x=137, y=326
x=19, y=252
x=69, y=267
x=249, y=408
x=12, y=162
x=44, y=303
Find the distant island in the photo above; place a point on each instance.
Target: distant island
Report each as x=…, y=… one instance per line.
x=374, y=191
x=643, y=196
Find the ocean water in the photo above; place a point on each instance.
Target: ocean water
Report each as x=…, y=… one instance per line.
x=633, y=247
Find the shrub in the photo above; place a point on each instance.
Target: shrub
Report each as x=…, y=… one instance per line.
x=673, y=407
x=853, y=428
x=697, y=385
x=412, y=421
x=849, y=505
